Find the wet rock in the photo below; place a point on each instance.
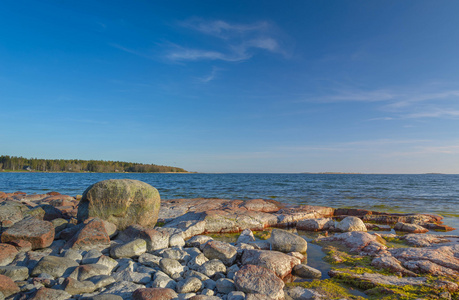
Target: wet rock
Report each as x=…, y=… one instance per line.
x=350, y=224
x=319, y=224
x=281, y=264
x=50, y=294
x=305, y=271
x=189, y=285
x=131, y=249
x=7, y=286
x=255, y=279
x=225, y=252
x=413, y=228
x=39, y=233
x=75, y=287
x=285, y=241
x=91, y=235
x=154, y=294
x=16, y=273
x=7, y=254
x=123, y=202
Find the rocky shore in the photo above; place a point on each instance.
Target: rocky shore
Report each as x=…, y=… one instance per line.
x=120, y=241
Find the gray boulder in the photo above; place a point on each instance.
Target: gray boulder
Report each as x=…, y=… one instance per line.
x=284, y=241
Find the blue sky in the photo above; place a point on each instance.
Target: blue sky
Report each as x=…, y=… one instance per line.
x=234, y=86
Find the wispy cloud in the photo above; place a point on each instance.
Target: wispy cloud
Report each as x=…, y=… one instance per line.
x=210, y=76
x=236, y=42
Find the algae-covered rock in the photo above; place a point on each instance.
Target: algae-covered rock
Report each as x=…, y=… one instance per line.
x=123, y=202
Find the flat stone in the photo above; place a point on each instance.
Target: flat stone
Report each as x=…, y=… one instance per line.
x=131, y=249
x=319, y=224
x=252, y=279
x=284, y=241
x=154, y=294
x=54, y=266
x=7, y=286
x=75, y=287
x=189, y=285
x=50, y=294
x=424, y=240
x=412, y=228
x=357, y=241
x=281, y=264
x=84, y=272
x=39, y=233
x=92, y=235
x=225, y=252
x=16, y=273
x=305, y=271
x=7, y=254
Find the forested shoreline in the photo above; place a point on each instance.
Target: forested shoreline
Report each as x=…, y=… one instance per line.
x=14, y=163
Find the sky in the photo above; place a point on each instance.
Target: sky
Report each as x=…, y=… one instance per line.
x=234, y=86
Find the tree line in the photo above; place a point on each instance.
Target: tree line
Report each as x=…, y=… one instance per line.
x=14, y=163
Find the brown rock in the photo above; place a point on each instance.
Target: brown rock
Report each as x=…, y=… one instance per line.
x=258, y=280
x=154, y=294
x=7, y=286
x=92, y=235
x=7, y=254
x=412, y=228
x=3, y=195
x=50, y=294
x=21, y=245
x=357, y=241
x=446, y=256
x=281, y=264
x=223, y=251
x=39, y=233
x=268, y=206
x=53, y=193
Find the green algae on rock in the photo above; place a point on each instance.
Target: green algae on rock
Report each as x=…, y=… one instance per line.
x=123, y=202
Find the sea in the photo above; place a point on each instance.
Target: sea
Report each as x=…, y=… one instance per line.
x=423, y=193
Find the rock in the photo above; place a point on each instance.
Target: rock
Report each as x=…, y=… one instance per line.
x=225, y=252
x=424, y=240
x=319, y=224
x=189, y=285
x=16, y=273
x=54, y=266
x=21, y=245
x=85, y=272
x=300, y=293
x=91, y=235
x=162, y=280
x=101, y=280
x=73, y=254
x=255, y=279
x=378, y=227
x=281, y=264
x=390, y=263
x=131, y=276
x=198, y=241
x=7, y=254
x=122, y=202
x=171, y=266
x=36, y=212
x=285, y=241
x=375, y=279
x=225, y=285
x=105, y=297
x=75, y=287
x=212, y=267
x=91, y=257
x=123, y=289
x=154, y=294
x=412, y=228
x=176, y=240
x=50, y=294
x=351, y=224
x=150, y=260
x=305, y=271
x=176, y=253
x=197, y=261
x=155, y=239
x=39, y=233
x=236, y=295
x=131, y=249
x=268, y=206
x=357, y=241
x=11, y=212
x=291, y=215
x=245, y=237
x=7, y=286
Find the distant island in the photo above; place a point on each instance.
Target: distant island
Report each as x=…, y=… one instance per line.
x=329, y=173
x=15, y=164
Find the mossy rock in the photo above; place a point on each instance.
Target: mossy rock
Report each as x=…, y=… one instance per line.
x=123, y=202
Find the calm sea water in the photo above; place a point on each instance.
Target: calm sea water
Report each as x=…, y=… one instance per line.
x=429, y=193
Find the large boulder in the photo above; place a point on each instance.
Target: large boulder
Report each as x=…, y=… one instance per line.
x=280, y=263
x=284, y=241
x=351, y=224
x=123, y=202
